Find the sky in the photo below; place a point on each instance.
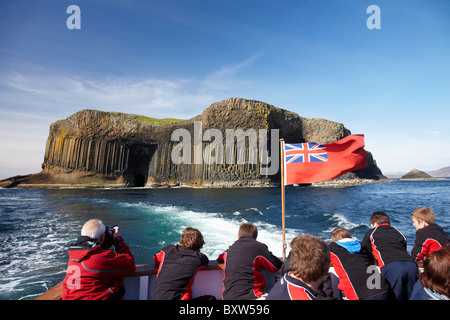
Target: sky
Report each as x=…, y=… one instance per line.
x=173, y=58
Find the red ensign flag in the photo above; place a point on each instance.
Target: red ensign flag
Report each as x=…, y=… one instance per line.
x=311, y=162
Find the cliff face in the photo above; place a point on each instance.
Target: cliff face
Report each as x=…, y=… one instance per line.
x=104, y=147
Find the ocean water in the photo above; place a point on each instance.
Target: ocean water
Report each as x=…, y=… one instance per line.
x=37, y=225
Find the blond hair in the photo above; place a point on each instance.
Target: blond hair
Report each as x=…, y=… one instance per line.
x=424, y=214
x=339, y=234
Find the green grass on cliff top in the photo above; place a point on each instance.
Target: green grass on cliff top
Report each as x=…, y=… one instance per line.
x=138, y=118
x=157, y=121
x=152, y=120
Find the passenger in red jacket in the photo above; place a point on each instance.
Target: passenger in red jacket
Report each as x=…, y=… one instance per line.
x=244, y=260
x=429, y=236
x=178, y=265
x=94, y=272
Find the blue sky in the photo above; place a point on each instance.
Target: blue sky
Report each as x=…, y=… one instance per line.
x=174, y=58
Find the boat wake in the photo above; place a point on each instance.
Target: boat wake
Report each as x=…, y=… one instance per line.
x=219, y=229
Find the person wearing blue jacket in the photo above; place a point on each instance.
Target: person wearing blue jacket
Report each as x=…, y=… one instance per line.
x=357, y=279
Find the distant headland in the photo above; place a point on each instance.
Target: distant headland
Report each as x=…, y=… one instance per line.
x=416, y=174
x=111, y=149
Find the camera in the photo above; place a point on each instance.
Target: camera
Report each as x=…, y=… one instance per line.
x=109, y=236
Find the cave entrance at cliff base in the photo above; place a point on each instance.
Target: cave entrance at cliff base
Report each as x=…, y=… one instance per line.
x=140, y=180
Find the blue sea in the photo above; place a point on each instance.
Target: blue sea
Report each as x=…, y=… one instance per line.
x=37, y=225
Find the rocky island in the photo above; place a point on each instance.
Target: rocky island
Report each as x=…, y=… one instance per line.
x=416, y=174
x=97, y=148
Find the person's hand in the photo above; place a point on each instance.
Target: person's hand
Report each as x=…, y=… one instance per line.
x=116, y=232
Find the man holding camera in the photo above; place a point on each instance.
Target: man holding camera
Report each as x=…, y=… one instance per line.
x=94, y=272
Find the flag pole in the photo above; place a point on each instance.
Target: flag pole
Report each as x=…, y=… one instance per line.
x=282, y=199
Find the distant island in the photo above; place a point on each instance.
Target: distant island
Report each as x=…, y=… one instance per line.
x=415, y=174
x=440, y=173
x=97, y=148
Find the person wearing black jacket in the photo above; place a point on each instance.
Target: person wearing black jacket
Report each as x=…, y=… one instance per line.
x=356, y=278
x=178, y=265
x=387, y=247
x=243, y=262
x=429, y=236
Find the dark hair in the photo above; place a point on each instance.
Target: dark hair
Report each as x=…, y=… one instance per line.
x=379, y=217
x=248, y=229
x=310, y=258
x=436, y=268
x=192, y=238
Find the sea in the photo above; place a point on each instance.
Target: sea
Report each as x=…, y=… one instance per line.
x=38, y=225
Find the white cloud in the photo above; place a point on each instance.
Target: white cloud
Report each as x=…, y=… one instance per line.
x=32, y=99
x=62, y=92
x=45, y=90
x=225, y=78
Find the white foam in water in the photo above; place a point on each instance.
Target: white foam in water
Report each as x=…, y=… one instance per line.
x=31, y=254
x=219, y=233
x=343, y=222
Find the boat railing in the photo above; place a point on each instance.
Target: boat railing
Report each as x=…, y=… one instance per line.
x=140, y=284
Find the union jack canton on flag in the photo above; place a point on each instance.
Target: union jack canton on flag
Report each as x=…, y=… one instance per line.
x=305, y=152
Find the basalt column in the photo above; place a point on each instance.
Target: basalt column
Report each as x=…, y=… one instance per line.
x=110, y=158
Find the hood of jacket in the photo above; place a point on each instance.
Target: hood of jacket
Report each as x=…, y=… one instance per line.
x=351, y=245
x=83, y=247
